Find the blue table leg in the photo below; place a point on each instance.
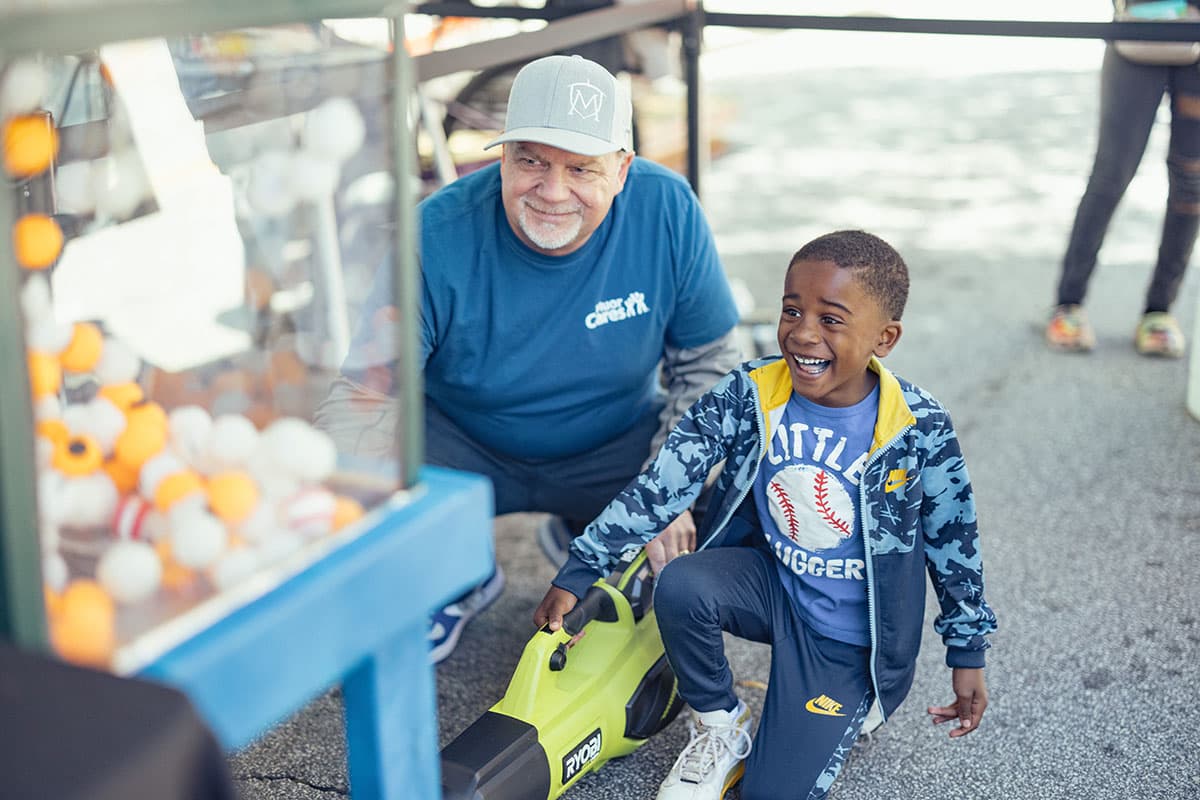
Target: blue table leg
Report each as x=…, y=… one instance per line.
x=391, y=721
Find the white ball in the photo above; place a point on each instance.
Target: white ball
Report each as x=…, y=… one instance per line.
x=189, y=431
x=97, y=418
x=275, y=482
x=197, y=539
x=135, y=518
x=234, y=567
x=54, y=572
x=130, y=571
x=262, y=523
x=314, y=176
x=88, y=501
x=48, y=407
x=49, y=490
x=36, y=303
x=232, y=441
x=270, y=191
x=74, y=188
x=335, y=129
x=310, y=512
x=23, y=87
x=299, y=449
x=119, y=184
x=47, y=336
x=43, y=451
x=196, y=502
x=118, y=363
x=155, y=470
x=49, y=534
x=278, y=547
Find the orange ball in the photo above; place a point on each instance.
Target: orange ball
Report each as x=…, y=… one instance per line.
x=176, y=487
x=54, y=430
x=77, y=455
x=144, y=436
x=84, y=629
x=30, y=144
x=45, y=374
x=232, y=496
x=37, y=241
x=175, y=576
x=149, y=411
x=124, y=477
x=87, y=342
x=345, y=511
x=122, y=395
x=54, y=602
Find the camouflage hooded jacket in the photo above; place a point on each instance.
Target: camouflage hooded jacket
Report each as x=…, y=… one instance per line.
x=915, y=502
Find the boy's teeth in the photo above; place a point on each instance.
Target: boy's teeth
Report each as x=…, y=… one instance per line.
x=812, y=366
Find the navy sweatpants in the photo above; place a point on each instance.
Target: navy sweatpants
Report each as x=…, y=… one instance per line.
x=574, y=487
x=819, y=690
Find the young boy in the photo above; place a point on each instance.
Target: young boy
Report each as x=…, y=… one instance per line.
x=841, y=485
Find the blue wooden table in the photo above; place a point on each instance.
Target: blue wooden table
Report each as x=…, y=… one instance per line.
x=358, y=617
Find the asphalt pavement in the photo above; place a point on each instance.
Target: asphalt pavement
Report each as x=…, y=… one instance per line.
x=1085, y=467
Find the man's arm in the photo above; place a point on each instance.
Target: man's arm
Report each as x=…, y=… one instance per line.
x=361, y=421
x=687, y=373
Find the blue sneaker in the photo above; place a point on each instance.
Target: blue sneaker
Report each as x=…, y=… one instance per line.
x=554, y=536
x=447, y=625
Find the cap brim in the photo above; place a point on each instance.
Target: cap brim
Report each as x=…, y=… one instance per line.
x=570, y=141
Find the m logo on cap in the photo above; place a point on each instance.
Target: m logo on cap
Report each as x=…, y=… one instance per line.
x=586, y=101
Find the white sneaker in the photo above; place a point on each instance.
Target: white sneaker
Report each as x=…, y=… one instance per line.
x=711, y=762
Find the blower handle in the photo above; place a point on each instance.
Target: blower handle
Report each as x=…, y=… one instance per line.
x=596, y=604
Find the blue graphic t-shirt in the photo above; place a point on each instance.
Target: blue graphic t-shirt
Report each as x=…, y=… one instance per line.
x=547, y=356
x=807, y=498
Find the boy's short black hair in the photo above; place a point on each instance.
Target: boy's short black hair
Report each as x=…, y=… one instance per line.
x=876, y=264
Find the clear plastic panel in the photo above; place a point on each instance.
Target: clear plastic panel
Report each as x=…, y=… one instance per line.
x=199, y=223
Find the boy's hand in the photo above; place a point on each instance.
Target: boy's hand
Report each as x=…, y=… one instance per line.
x=970, y=691
x=677, y=539
x=556, y=603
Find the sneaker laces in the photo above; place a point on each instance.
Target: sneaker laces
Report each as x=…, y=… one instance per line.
x=700, y=754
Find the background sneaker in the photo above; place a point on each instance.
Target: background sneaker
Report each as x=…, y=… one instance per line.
x=554, y=537
x=446, y=625
x=711, y=761
x=1070, y=330
x=873, y=722
x=1159, y=334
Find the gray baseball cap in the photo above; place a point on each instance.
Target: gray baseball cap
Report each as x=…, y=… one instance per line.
x=570, y=103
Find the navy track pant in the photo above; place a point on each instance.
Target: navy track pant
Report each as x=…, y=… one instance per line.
x=819, y=690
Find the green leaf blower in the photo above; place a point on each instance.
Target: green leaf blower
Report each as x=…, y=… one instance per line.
x=569, y=707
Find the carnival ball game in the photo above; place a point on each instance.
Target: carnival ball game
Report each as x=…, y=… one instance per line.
x=178, y=474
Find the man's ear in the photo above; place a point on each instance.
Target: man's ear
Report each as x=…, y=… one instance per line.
x=888, y=336
x=623, y=169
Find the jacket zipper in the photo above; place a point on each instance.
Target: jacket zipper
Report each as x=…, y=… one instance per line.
x=862, y=511
x=762, y=448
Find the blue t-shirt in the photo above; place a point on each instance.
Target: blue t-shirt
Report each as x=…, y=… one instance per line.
x=540, y=356
x=806, y=493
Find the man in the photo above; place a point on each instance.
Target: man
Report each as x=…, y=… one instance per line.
x=556, y=284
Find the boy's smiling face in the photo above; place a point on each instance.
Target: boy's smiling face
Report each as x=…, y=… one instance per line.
x=829, y=328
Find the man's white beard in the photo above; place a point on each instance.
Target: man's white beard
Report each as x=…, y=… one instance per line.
x=548, y=237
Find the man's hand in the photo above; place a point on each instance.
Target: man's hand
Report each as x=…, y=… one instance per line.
x=678, y=539
x=970, y=691
x=556, y=603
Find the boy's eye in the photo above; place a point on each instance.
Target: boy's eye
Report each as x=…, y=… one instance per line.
x=828, y=320
x=791, y=312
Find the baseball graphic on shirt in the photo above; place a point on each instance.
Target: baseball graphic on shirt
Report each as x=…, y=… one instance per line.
x=811, y=507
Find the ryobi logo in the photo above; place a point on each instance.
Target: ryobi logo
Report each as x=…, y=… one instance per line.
x=583, y=754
